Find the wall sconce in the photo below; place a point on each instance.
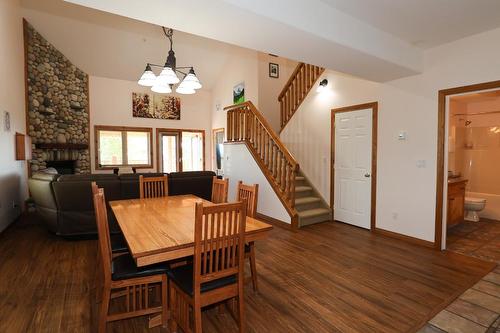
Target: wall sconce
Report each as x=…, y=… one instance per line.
x=322, y=85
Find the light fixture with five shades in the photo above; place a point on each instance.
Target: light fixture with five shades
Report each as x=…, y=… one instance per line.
x=163, y=83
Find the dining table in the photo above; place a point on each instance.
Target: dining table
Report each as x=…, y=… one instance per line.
x=162, y=229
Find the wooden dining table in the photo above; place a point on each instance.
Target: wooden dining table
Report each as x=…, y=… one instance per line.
x=162, y=229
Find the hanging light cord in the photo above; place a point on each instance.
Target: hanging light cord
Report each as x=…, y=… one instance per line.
x=169, y=33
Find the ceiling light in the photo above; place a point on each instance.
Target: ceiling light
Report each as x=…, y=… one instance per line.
x=168, y=76
x=148, y=78
x=191, y=81
x=322, y=85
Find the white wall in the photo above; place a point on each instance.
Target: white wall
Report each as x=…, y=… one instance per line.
x=111, y=104
x=241, y=66
x=405, y=194
x=270, y=88
x=13, y=173
x=239, y=164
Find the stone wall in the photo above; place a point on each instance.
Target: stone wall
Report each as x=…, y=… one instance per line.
x=58, y=112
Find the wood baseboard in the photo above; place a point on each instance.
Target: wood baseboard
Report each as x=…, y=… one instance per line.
x=275, y=222
x=405, y=238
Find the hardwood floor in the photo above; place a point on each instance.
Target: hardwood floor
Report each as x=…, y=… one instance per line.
x=327, y=277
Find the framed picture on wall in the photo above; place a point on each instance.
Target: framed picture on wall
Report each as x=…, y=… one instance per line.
x=274, y=70
x=239, y=93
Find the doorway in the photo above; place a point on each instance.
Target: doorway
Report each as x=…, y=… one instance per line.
x=180, y=150
x=468, y=188
x=353, y=166
x=217, y=149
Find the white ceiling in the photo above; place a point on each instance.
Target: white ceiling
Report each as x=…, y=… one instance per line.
x=107, y=45
x=425, y=23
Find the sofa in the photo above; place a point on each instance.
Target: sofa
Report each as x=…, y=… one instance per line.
x=64, y=202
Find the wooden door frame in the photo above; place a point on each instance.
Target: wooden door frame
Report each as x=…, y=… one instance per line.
x=179, y=131
x=442, y=97
x=214, y=133
x=374, y=107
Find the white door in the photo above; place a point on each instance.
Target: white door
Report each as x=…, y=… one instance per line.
x=353, y=167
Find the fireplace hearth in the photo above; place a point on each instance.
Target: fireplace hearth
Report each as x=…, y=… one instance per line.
x=62, y=167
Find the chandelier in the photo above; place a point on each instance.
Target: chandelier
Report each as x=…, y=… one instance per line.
x=164, y=82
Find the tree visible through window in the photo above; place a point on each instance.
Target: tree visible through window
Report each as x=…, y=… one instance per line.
x=123, y=147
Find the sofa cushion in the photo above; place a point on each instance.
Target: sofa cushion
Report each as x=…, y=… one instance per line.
x=198, y=183
x=86, y=177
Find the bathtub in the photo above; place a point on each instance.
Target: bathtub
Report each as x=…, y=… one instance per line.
x=492, y=209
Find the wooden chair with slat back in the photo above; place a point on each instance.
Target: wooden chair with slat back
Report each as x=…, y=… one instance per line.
x=250, y=193
x=153, y=187
x=122, y=279
x=220, y=188
x=217, y=274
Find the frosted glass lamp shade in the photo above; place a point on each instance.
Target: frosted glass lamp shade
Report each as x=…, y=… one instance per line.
x=161, y=88
x=168, y=76
x=148, y=78
x=191, y=81
x=185, y=90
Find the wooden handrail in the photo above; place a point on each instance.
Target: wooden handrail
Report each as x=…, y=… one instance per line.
x=267, y=127
x=246, y=124
x=296, y=89
x=290, y=80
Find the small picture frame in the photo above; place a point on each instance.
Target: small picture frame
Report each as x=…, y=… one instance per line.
x=6, y=121
x=274, y=70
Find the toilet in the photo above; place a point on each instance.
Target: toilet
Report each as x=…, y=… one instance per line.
x=472, y=207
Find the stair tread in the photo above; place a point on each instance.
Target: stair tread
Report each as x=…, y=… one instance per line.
x=305, y=200
x=303, y=188
x=299, y=178
x=313, y=212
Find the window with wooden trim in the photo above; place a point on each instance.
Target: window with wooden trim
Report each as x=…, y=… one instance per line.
x=180, y=149
x=123, y=146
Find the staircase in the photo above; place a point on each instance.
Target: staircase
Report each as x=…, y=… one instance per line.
x=310, y=206
x=245, y=124
x=296, y=89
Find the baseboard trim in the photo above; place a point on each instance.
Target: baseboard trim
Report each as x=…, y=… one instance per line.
x=402, y=237
x=273, y=221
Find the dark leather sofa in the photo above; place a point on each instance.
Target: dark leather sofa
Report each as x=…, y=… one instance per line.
x=64, y=202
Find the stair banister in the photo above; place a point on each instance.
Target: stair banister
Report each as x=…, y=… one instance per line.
x=246, y=124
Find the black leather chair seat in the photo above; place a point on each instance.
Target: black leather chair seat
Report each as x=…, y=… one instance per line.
x=247, y=248
x=118, y=243
x=183, y=277
x=124, y=267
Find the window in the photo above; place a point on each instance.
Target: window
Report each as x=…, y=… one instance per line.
x=181, y=150
x=123, y=146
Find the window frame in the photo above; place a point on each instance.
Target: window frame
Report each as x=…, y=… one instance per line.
x=178, y=131
x=123, y=130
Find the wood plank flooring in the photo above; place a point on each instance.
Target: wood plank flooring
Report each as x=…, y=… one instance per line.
x=327, y=277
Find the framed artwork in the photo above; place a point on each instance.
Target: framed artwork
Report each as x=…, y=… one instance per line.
x=155, y=106
x=239, y=93
x=274, y=70
x=6, y=121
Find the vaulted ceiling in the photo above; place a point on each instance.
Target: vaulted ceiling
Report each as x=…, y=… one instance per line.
x=107, y=45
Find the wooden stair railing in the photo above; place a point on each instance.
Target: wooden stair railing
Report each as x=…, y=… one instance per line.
x=246, y=124
x=296, y=89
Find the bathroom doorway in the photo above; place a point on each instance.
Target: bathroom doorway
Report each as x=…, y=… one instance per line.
x=471, y=191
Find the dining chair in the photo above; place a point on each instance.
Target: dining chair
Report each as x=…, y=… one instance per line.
x=153, y=187
x=118, y=243
x=123, y=279
x=250, y=193
x=217, y=274
x=220, y=188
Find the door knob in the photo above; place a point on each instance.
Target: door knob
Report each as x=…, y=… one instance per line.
x=367, y=175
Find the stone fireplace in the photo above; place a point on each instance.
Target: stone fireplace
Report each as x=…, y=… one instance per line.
x=58, y=112
x=62, y=167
